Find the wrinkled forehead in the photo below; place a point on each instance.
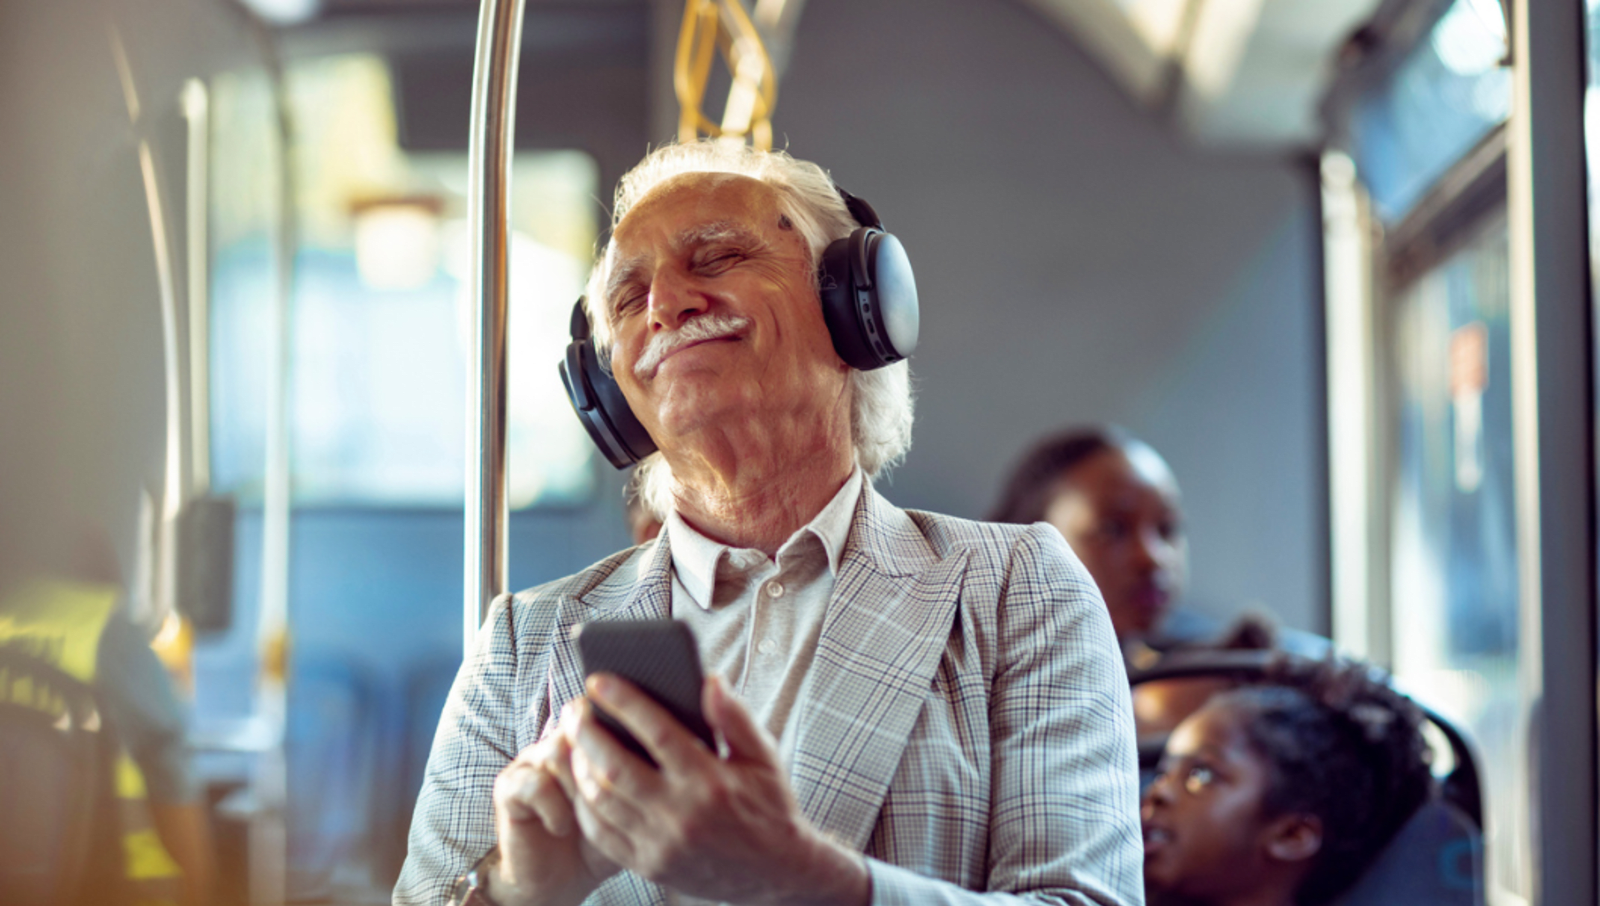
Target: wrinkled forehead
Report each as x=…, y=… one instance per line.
x=688, y=201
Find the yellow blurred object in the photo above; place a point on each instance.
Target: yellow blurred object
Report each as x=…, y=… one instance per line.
x=723, y=25
x=275, y=657
x=61, y=623
x=174, y=646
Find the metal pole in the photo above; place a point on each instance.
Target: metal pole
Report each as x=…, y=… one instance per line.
x=269, y=834
x=1552, y=369
x=494, y=97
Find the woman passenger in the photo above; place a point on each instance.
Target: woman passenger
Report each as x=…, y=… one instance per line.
x=1116, y=501
x=1283, y=793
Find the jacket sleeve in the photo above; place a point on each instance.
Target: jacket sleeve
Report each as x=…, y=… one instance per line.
x=1064, y=820
x=478, y=736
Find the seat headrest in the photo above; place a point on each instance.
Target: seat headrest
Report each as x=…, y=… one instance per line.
x=1435, y=858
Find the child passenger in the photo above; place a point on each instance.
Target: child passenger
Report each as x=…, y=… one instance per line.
x=1283, y=793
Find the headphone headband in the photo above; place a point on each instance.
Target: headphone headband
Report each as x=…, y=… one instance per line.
x=859, y=209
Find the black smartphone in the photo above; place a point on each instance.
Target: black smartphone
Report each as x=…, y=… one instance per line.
x=658, y=656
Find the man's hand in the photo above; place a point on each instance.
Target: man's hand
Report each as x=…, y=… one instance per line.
x=724, y=828
x=544, y=859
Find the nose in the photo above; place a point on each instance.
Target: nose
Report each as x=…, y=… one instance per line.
x=1159, y=792
x=673, y=300
x=1150, y=550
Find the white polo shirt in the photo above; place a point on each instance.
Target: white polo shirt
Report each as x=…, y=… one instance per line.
x=757, y=619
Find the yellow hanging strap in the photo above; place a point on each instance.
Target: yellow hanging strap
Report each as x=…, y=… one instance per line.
x=709, y=27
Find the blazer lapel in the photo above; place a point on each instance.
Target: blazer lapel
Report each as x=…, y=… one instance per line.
x=640, y=589
x=888, y=622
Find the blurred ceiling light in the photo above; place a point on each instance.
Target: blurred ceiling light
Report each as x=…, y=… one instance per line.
x=1159, y=22
x=1471, y=38
x=284, y=12
x=397, y=242
x=1222, y=30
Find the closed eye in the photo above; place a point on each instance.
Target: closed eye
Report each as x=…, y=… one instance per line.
x=719, y=261
x=627, y=302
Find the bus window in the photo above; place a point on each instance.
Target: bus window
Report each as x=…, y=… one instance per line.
x=1440, y=99
x=381, y=315
x=1453, y=554
x=1424, y=126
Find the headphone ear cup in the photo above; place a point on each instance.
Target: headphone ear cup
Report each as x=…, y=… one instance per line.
x=869, y=298
x=894, y=290
x=836, y=286
x=600, y=405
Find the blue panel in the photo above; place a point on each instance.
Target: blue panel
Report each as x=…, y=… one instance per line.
x=375, y=616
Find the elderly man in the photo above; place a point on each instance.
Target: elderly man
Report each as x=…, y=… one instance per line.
x=911, y=708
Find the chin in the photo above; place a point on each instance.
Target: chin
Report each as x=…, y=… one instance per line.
x=1143, y=619
x=690, y=405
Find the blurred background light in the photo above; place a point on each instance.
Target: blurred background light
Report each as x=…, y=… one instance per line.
x=1471, y=38
x=397, y=242
x=284, y=12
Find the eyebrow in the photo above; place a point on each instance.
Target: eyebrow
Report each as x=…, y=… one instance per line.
x=1207, y=752
x=717, y=231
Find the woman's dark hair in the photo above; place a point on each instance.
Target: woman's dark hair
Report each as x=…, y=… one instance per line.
x=1027, y=491
x=1344, y=747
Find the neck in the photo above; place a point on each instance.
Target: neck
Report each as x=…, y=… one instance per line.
x=747, y=487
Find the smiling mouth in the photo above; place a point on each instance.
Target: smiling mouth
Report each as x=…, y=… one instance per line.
x=729, y=338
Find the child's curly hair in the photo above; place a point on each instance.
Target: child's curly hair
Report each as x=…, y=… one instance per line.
x=1344, y=747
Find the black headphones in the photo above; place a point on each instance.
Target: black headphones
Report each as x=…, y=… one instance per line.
x=869, y=302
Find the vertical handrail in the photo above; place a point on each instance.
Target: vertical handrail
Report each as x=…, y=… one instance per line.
x=269, y=782
x=494, y=96
x=1552, y=370
x=197, y=117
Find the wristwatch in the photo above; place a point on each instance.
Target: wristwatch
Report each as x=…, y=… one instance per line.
x=472, y=888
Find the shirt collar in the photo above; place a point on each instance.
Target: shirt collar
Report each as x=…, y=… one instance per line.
x=695, y=557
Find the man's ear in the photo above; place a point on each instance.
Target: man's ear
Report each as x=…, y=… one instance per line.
x=1293, y=838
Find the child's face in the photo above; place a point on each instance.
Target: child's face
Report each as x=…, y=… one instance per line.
x=1204, y=832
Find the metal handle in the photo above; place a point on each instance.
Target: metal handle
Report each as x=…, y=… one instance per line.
x=494, y=100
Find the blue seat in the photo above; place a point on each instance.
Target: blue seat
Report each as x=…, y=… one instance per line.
x=330, y=746
x=1436, y=858
x=426, y=688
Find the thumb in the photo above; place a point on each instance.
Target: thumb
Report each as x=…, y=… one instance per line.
x=745, y=739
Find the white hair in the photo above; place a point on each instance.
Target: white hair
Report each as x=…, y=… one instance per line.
x=881, y=399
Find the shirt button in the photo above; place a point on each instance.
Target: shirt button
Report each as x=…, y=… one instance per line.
x=767, y=646
x=774, y=589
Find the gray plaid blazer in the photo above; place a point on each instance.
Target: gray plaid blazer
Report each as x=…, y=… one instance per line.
x=966, y=721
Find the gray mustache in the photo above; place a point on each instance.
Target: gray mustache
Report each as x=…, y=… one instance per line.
x=697, y=329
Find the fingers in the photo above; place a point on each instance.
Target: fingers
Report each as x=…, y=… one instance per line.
x=746, y=739
x=529, y=789
x=668, y=741
x=605, y=843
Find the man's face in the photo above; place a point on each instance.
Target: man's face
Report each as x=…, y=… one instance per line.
x=714, y=313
